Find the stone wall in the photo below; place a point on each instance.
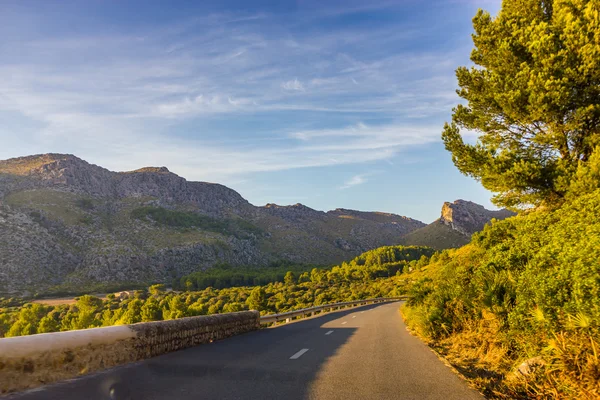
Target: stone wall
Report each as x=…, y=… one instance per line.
x=30, y=361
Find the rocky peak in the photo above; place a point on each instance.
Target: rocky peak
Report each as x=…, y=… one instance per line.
x=68, y=173
x=44, y=166
x=293, y=212
x=156, y=170
x=467, y=217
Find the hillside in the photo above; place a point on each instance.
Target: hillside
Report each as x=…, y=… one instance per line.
x=436, y=235
x=66, y=222
x=458, y=221
x=534, y=277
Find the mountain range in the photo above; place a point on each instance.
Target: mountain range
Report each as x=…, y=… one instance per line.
x=65, y=222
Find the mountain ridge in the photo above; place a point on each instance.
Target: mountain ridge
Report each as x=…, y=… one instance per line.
x=59, y=166
x=64, y=221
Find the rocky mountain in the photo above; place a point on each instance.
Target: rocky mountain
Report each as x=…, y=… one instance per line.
x=467, y=217
x=71, y=174
x=67, y=223
x=459, y=220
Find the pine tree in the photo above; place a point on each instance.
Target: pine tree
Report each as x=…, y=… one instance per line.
x=289, y=278
x=257, y=299
x=151, y=311
x=533, y=97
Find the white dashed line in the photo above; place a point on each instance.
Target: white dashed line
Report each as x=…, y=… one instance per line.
x=354, y=316
x=329, y=333
x=298, y=354
x=344, y=323
x=362, y=312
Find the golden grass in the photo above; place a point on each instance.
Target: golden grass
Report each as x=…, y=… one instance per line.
x=570, y=367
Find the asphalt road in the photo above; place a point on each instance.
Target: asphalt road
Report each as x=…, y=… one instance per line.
x=361, y=353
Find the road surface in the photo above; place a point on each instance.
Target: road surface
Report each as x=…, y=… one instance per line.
x=360, y=353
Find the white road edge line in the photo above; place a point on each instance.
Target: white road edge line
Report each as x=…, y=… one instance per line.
x=329, y=333
x=344, y=323
x=298, y=354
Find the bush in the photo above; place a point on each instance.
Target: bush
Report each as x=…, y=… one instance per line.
x=537, y=275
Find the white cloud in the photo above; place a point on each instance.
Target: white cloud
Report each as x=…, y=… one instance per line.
x=355, y=181
x=293, y=85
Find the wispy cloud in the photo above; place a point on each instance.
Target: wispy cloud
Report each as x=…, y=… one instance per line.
x=126, y=100
x=364, y=137
x=355, y=181
x=293, y=85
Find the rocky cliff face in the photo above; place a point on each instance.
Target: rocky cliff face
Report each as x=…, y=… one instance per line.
x=467, y=217
x=459, y=220
x=66, y=222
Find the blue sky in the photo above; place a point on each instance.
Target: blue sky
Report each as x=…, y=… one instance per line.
x=327, y=103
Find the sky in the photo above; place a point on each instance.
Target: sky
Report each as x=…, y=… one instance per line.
x=332, y=104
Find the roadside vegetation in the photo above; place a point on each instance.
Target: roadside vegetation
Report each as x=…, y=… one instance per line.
x=526, y=289
x=517, y=310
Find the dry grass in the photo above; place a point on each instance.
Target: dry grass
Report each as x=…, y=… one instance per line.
x=65, y=300
x=570, y=368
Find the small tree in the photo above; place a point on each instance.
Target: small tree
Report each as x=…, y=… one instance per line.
x=177, y=308
x=257, y=299
x=157, y=289
x=133, y=313
x=304, y=277
x=189, y=285
x=49, y=323
x=151, y=311
x=28, y=320
x=316, y=275
x=233, y=307
x=289, y=279
x=5, y=323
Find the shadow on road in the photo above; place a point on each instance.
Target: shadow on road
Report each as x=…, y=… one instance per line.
x=255, y=365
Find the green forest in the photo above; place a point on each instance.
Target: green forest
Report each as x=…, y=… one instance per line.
x=382, y=262
x=377, y=273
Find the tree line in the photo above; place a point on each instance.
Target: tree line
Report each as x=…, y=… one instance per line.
x=369, y=275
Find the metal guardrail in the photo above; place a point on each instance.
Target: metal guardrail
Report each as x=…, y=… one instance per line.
x=290, y=315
